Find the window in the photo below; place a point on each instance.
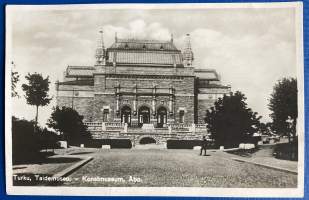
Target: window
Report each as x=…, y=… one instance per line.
x=181, y=116
x=105, y=115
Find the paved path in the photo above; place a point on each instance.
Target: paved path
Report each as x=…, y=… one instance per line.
x=264, y=156
x=116, y=167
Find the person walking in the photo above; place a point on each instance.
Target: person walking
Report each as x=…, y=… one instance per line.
x=203, y=146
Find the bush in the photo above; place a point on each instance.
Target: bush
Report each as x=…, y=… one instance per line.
x=48, y=139
x=121, y=144
x=114, y=143
x=287, y=151
x=70, y=123
x=25, y=143
x=186, y=144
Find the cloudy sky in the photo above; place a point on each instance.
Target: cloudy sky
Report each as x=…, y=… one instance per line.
x=251, y=48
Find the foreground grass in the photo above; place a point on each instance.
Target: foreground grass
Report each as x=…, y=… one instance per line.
x=176, y=168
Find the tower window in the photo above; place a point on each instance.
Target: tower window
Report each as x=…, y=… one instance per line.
x=181, y=116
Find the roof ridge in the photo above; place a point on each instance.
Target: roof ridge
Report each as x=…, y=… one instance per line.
x=80, y=67
x=135, y=40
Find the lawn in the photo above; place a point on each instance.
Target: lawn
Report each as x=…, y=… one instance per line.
x=175, y=168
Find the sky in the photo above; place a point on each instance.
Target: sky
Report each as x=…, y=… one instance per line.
x=251, y=48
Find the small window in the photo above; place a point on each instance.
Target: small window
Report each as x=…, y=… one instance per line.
x=105, y=115
x=181, y=116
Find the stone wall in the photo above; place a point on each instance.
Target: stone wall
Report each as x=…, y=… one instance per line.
x=103, y=101
x=77, y=96
x=83, y=105
x=185, y=103
x=202, y=106
x=206, y=98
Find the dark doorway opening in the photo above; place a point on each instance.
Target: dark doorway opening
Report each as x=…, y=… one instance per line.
x=143, y=116
x=126, y=115
x=161, y=117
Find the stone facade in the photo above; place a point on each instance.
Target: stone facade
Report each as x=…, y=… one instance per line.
x=141, y=82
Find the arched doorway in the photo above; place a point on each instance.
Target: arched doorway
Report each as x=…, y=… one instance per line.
x=126, y=115
x=161, y=117
x=143, y=115
x=147, y=140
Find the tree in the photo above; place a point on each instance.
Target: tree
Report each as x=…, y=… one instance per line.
x=67, y=121
x=283, y=104
x=14, y=80
x=265, y=128
x=230, y=121
x=37, y=91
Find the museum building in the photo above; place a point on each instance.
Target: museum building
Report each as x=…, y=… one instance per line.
x=141, y=84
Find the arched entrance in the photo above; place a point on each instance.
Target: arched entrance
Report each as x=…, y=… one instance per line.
x=143, y=115
x=126, y=115
x=161, y=117
x=147, y=140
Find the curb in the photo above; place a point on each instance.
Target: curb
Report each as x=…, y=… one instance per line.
x=74, y=167
x=266, y=166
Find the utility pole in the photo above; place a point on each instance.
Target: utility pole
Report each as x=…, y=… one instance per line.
x=73, y=98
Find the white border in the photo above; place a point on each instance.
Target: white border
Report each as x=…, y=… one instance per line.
x=160, y=191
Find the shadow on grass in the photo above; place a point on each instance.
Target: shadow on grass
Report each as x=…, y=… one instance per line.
x=244, y=152
x=80, y=153
x=29, y=179
x=19, y=167
x=46, y=160
x=60, y=160
x=30, y=158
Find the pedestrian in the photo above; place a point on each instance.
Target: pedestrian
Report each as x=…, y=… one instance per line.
x=203, y=146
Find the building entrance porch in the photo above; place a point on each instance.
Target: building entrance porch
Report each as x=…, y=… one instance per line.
x=143, y=116
x=161, y=117
x=126, y=115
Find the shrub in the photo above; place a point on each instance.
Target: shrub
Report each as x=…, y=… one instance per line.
x=25, y=143
x=48, y=139
x=186, y=144
x=114, y=143
x=287, y=151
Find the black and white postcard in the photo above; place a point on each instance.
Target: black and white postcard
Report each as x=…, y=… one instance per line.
x=155, y=100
